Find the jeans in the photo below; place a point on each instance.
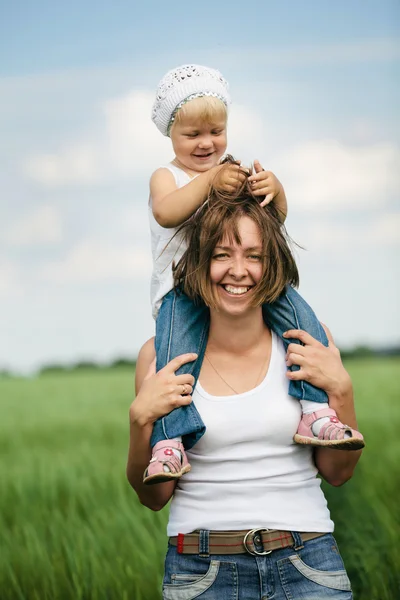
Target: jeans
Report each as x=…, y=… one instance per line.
x=182, y=326
x=312, y=571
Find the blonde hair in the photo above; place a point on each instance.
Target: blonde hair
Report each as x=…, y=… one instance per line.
x=207, y=109
x=218, y=217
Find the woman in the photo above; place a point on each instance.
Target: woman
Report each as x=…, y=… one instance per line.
x=250, y=520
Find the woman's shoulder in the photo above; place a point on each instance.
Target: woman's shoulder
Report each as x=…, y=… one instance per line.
x=146, y=356
x=147, y=353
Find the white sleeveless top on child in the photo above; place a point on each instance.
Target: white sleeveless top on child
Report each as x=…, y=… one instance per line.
x=166, y=248
x=246, y=470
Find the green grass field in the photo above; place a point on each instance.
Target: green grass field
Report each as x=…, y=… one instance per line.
x=71, y=528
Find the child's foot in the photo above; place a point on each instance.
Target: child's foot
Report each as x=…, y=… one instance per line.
x=332, y=433
x=168, y=462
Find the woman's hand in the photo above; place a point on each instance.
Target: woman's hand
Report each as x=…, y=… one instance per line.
x=322, y=366
x=162, y=392
x=319, y=365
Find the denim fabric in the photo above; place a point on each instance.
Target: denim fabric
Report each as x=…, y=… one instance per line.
x=290, y=311
x=313, y=571
x=182, y=326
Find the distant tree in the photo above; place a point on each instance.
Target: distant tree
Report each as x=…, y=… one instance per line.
x=124, y=363
x=363, y=351
x=392, y=351
x=85, y=365
x=55, y=368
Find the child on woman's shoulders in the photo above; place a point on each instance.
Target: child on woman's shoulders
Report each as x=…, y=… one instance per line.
x=191, y=108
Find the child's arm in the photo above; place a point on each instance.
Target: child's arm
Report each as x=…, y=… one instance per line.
x=172, y=206
x=264, y=183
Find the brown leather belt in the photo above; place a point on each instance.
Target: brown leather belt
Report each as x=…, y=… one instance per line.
x=258, y=542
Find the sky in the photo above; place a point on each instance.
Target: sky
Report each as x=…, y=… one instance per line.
x=315, y=92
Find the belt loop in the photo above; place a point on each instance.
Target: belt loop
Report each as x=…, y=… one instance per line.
x=297, y=541
x=179, y=545
x=204, y=543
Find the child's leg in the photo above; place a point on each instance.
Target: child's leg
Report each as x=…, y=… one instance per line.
x=290, y=311
x=319, y=424
x=181, y=327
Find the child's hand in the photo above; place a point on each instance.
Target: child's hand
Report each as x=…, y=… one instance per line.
x=229, y=178
x=264, y=183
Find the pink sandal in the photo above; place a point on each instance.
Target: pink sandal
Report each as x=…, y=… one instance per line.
x=164, y=456
x=332, y=433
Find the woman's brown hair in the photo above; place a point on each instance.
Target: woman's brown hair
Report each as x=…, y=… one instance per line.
x=218, y=217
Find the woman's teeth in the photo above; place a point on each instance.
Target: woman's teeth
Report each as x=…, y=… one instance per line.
x=236, y=290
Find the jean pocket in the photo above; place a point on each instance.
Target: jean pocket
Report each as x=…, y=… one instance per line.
x=336, y=580
x=179, y=578
x=316, y=571
x=187, y=586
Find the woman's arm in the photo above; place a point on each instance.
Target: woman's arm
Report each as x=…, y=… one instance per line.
x=323, y=368
x=156, y=395
x=337, y=466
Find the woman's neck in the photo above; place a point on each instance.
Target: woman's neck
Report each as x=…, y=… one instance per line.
x=236, y=335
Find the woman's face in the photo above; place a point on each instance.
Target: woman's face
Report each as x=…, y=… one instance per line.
x=236, y=268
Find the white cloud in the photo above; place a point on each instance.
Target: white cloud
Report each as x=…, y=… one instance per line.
x=133, y=222
x=329, y=176
x=246, y=132
x=10, y=284
x=92, y=261
x=128, y=145
x=343, y=238
x=322, y=175
x=43, y=226
x=74, y=164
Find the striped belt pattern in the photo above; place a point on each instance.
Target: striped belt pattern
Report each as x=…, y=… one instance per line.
x=257, y=542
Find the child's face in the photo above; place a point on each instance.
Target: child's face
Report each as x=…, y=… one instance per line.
x=199, y=145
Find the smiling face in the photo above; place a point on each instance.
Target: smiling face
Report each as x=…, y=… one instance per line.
x=236, y=268
x=238, y=256
x=198, y=134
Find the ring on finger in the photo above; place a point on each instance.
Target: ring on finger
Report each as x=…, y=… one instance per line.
x=183, y=389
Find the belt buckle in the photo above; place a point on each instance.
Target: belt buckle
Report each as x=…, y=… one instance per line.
x=254, y=552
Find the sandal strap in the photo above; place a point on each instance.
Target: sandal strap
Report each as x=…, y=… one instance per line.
x=324, y=412
x=176, y=444
x=173, y=463
x=163, y=453
x=334, y=431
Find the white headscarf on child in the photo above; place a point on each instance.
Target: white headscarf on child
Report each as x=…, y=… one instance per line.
x=182, y=84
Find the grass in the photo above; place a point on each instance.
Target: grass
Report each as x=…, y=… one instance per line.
x=71, y=528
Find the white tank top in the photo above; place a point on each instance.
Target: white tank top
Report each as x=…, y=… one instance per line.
x=246, y=470
x=166, y=248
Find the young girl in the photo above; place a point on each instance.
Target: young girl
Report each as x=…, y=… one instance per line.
x=191, y=107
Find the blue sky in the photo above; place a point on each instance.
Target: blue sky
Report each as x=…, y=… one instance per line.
x=316, y=98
